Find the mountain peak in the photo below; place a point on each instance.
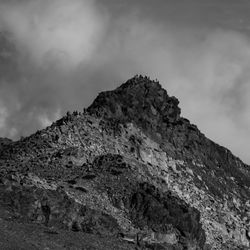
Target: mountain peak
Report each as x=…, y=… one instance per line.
x=140, y=100
x=141, y=81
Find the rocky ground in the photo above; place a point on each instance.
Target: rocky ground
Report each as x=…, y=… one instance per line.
x=127, y=173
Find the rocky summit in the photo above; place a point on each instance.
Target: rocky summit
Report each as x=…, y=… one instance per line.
x=126, y=173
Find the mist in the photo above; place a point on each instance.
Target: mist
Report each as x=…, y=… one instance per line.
x=57, y=55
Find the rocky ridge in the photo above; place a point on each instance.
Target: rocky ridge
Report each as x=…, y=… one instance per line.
x=129, y=169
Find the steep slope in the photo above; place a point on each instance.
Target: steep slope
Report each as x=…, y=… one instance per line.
x=130, y=172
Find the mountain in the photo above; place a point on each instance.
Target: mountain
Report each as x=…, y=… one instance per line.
x=127, y=173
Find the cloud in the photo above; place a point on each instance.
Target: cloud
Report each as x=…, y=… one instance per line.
x=65, y=52
x=54, y=30
x=3, y=116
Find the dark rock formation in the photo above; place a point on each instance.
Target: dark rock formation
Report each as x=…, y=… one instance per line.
x=149, y=209
x=163, y=212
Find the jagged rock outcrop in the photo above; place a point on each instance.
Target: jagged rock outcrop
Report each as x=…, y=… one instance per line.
x=130, y=172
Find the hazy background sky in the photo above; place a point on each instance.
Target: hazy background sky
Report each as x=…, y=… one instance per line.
x=56, y=55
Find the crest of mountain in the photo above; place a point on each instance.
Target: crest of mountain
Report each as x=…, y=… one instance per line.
x=127, y=173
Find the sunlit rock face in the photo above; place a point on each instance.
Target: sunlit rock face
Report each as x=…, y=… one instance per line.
x=131, y=172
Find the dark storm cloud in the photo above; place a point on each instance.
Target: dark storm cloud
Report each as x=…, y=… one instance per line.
x=65, y=52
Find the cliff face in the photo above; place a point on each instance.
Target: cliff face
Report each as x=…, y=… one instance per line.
x=129, y=172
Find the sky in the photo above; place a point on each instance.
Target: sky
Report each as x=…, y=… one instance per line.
x=57, y=55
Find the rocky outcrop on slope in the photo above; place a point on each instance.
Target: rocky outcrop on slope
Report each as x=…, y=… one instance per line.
x=129, y=172
x=30, y=202
x=150, y=209
x=33, y=198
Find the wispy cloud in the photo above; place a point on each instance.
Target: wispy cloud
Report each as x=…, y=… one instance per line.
x=54, y=30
